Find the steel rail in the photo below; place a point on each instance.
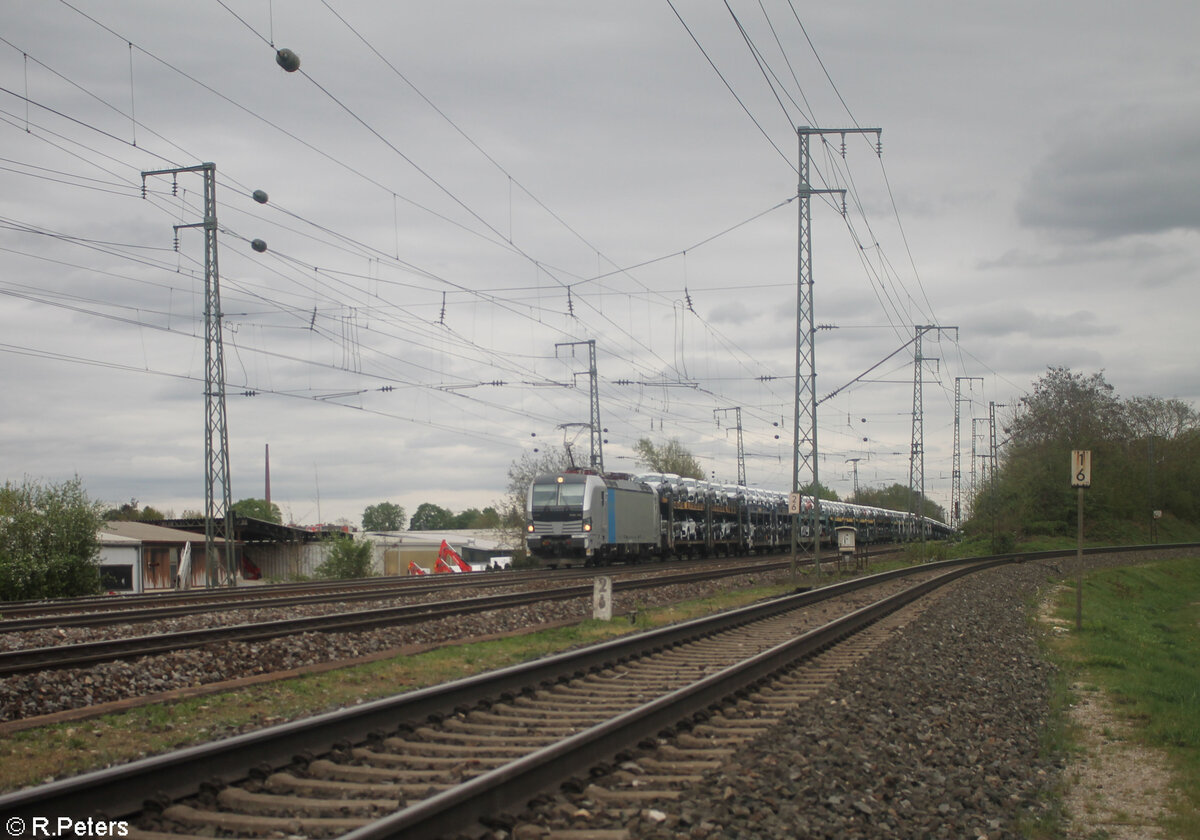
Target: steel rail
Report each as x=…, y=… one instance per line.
x=28, y=616
x=90, y=653
x=119, y=603
x=39, y=606
x=121, y=610
x=143, y=614
x=521, y=779
x=123, y=790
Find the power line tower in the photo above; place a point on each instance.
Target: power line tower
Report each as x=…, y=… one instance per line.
x=218, y=504
x=741, y=451
x=956, y=471
x=993, y=467
x=975, y=421
x=804, y=449
x=855, y=461
x=993, y=447
x=916, y=460
x=597, y=456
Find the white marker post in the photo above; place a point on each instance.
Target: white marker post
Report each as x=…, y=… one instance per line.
x=602, y=598
x=1081, y=477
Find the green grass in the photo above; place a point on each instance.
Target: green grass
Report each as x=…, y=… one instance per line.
x=1141, y=645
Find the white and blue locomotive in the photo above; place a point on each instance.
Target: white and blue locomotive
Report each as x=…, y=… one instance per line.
x=582, y=515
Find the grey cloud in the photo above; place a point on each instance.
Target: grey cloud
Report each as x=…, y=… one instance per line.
x=1021, y=321
x=1137, y=176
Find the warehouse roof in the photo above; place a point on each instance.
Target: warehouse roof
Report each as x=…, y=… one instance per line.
x=148, y=532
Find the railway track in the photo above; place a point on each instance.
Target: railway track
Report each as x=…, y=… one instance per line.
x=134, y=609
x=433, y=761
x=106, y=603
x=89, y=653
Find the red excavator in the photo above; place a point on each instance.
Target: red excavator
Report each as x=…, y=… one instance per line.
x=449, y=562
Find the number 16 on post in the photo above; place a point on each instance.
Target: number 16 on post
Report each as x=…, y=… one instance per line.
x=1081, y=468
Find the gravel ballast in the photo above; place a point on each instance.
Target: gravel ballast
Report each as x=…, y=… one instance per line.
x=937, y=735
x=46, y=692
x=934, y=735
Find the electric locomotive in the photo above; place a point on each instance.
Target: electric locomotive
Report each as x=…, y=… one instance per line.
x=582, y=515
x=579, y=514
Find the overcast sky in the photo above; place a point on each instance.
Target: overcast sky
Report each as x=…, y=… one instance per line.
x=458, y=187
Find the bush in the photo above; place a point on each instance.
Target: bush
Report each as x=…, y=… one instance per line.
x=346, y=558
x=934, y=550
x=522, y=559
x=1054, y=528
x=48, y=541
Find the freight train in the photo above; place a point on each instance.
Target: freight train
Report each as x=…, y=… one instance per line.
x=580, y=515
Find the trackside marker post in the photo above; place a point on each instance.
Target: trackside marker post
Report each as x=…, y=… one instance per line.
x=602, y=598
x=1081, y=477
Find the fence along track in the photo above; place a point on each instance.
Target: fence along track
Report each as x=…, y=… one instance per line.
x=355, y=783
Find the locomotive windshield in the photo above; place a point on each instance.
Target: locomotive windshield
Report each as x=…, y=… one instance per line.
x=554, y=495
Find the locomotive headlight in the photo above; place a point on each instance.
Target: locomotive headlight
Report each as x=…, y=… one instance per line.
x=587, y=525
x=529, y=527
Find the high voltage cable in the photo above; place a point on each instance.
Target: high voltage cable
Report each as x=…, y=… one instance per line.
x=760, y=62
x=707, y=326
x=209, y=88
x=166, y=329
x=64, y=357
x=758, y=59
x=729, y=87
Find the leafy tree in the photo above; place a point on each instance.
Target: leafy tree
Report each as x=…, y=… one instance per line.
x=1142, y=450
x=346, y=558
x=670, y=457
x=1164, y=453
x=48, y=540
x=1159, y=418
x=384, y=516
x=258, y=509
x=1066, y=411
x=431, y=517
x=896, y=498
x=475, y=519
x=129, y=512
x=489, y=517
x=1071, y=408
x=823, y=492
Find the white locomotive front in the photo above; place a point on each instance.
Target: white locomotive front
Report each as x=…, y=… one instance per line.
x=582, y=515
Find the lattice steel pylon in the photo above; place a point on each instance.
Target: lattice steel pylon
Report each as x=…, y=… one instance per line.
x=597, y=455
x=804, y=438
x=976, y=484
x=741, y=452
x=916, y=460
x=956, y=470
x=218, y=510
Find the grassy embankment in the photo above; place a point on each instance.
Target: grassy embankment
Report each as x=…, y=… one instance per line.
x=1140, y=645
